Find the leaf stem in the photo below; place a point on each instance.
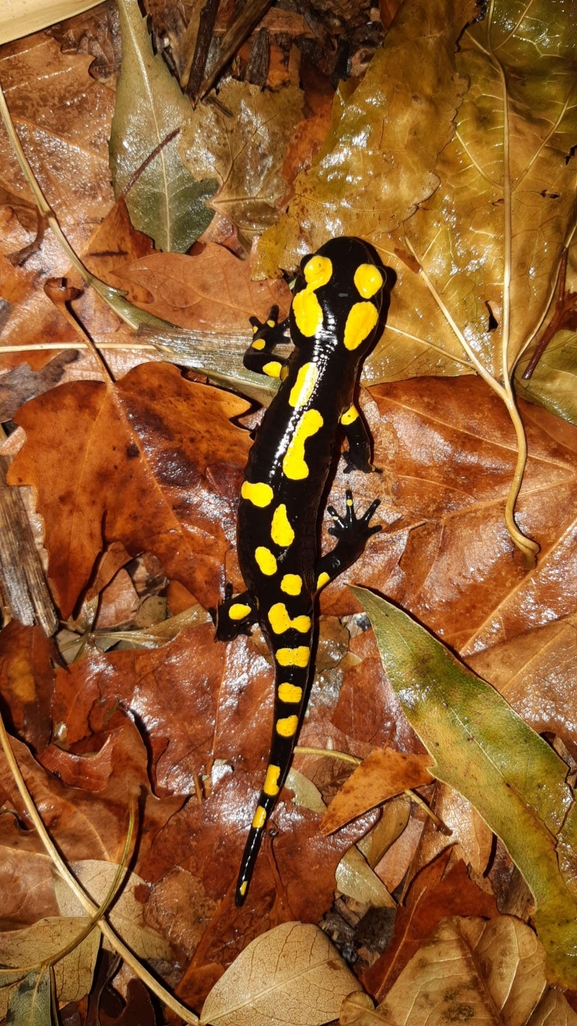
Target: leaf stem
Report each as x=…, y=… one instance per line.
x=91, y=908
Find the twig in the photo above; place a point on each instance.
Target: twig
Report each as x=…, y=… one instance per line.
x=91, y=908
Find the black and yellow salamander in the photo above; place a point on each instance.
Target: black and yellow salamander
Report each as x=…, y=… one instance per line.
x=333, y=319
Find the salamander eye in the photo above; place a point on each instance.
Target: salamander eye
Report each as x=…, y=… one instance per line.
x=368, y=280
x=317, y=271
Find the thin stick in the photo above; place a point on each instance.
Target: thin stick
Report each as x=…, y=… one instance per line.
x=91, y=908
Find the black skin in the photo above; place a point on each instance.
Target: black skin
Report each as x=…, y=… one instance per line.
x=338, y=372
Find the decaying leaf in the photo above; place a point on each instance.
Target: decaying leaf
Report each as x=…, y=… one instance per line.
x=243, y=152
x=442, y=888
x=31, y=1001
x=285, y=977
x=472, y=971
x=485, y=751
x=163, y=198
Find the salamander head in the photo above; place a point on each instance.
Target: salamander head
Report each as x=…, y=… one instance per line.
x=337, y=296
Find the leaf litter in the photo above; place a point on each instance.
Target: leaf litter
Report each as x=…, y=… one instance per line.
x=474, y=216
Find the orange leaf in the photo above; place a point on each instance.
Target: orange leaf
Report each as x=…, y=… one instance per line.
x=382, y=775
x=148, y=464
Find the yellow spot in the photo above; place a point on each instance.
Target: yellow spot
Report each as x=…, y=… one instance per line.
x=280, y=621
x=350, y=503
x=304, y=385
x=291, y=584
x=289, y=693
x=254, y=329
x=287, y=726
x=307, y=312
x=284, y=373
x=317, y=271
x=362, y=319
x=265, y=560
x=272, y=324
x=273, y=369
x=259, y=818
x=259, y=494
x=322, y=579
x=270, y=785
x=243, y=888
x=238, y=611
x=293, y=462
x=350, y=415
x=281, y=531
x=259, y=343
x=293, y=656
x=368, y=280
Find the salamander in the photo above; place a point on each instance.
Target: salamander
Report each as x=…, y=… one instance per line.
x=333, y=319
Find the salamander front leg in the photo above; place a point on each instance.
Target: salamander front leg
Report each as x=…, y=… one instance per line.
x=259, y=355
x=352, y=534
x=235, y=615
x=358, y=455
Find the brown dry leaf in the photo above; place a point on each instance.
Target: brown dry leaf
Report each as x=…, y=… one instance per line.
x=285, y=977
x=382, y=775
x=474, y=971
x=211, y=289
x=73, y=974
x=439, y=890
x=535, y=672
x=127, y=913
x=26, y=885
x=84, y=799
x=155, y=686
x=160, y=437
x=244, y=152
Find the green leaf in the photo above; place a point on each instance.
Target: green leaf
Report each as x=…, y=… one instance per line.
x=554, y=380
x=164, y=201
x=31, y=1003
x=484, y=750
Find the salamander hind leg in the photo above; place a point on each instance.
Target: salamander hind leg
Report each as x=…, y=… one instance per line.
x=235, y=615
x=352, y=534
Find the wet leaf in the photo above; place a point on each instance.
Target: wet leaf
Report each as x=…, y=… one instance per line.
x=151, y=432
x=487, y=753
x=165, y=201
x=243, y=152
x=362, y=182
x=22, y=383
x=290, y=975
x=442, y=888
